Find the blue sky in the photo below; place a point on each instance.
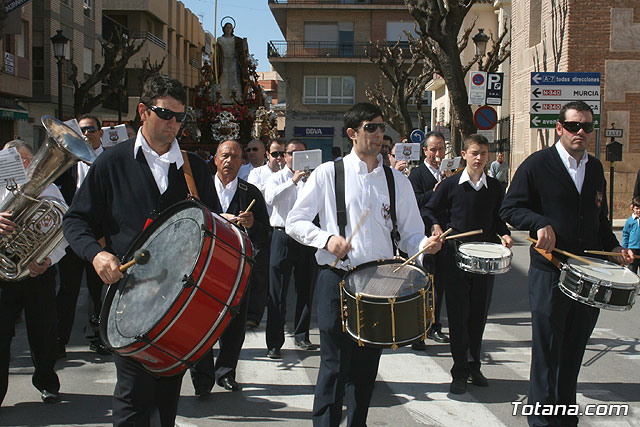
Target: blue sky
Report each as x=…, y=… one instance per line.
x=253, y=21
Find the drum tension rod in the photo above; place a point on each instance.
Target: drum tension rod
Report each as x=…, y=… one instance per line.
x=212, y=235
x=147, y=341
x=189, y=282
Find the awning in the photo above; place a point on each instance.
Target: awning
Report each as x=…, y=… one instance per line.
x=10, y=110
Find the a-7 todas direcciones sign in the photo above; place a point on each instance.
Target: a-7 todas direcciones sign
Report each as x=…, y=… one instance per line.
x=551, y=91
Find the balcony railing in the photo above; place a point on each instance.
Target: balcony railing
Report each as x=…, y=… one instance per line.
x=373, y=2
x=151, y=37
x=194, y=63
x=308, y=49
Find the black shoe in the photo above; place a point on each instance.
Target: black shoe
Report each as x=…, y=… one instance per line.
x=419, y=345
x=99, y=348
x=202, y=391
x=49, y=397
x=437, y=336
x=61, y=351
x=478, y=379
x=251, y=324
x=458, y=386
x=229, y=384
x=305, y=344
x=274, y=353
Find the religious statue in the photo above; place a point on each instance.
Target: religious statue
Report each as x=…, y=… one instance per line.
x=232, y=56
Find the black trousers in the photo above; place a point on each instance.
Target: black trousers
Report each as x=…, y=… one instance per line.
x=71, y=268
x=468, y=300
x=141, y=399
x=260, y=283
x=205, y=373
x=439, y=287
x=287, y=255
x=35, y=295
x=561, y=328
x=346, y=370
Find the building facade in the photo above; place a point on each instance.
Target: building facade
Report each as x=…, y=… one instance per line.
x=324, y=63
x=576, y=36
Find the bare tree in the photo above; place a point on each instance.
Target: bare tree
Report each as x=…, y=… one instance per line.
x=438, y=26
x=108, y=75
x=408, y=76
x=148, y=69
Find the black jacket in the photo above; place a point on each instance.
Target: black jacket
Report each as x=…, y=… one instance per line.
x=423, y=182
x=542, y=193
x=244, y=195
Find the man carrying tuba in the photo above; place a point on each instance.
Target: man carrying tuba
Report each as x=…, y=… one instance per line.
x=35, y=294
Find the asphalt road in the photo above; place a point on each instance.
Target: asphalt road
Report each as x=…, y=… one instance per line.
x=411, y=390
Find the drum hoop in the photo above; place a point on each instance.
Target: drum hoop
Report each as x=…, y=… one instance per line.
x=142, y=237
x=570, y=268
x=384, y=300
x=384, y=262
x=566, y=270
x=508, y=255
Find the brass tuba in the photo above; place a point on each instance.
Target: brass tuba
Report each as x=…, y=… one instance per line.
x=39, y=221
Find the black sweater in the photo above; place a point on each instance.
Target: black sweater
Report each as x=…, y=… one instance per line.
x=542, y=193
x=241, y=200
x=423, y=181
x=461, y=207
x=119, y=194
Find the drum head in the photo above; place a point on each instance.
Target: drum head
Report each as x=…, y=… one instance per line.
x=377, y=280
x=484, y=250
x=148, y=291
x=605, y=271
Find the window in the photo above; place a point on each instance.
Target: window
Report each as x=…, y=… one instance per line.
x=38, y=61
x=329, y=90
x=535, y=22
x=396, y=29
x=21, y=40
x=88, y=8
x=87, y=61
x=329, y=38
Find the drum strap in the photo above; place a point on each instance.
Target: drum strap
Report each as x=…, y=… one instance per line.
x=188, y=175
x=342, y=209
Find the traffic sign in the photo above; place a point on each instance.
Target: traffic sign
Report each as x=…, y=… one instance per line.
x=417, y=136
x=477, y=87
x=613, y=133
x=551, y=91
x=494, y=88
x=485, y=118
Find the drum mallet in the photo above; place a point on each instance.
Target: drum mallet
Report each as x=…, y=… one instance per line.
x=141, y=256
x=442, y=238
x=235, y=218
x=353, y=233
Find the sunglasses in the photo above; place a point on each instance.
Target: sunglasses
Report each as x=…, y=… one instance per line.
x=372, y=127
x=165, y=114
x=89, y=129
x=291, y=152
x=249, y=149
x=277, y=154
x=574, y=127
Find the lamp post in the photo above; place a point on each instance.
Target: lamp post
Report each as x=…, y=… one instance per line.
x=59, y=42
x=480, y=40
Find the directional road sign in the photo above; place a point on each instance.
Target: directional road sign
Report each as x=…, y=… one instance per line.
x=551, y=91
x=417, y=136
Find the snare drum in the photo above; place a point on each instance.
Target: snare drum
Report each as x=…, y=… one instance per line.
x=384, y=309
x=483, y=258
x=168, y=313
x=600, y=284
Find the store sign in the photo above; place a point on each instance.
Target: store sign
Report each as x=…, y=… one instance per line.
x=311, y=132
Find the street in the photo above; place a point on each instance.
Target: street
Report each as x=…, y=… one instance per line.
x=412, y=388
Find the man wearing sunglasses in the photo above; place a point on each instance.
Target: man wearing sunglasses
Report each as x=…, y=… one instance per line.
x=255, y=154
x=260, y=286
x=127, y=186
x=347, y=370
x=72, y=267
x=559, y=195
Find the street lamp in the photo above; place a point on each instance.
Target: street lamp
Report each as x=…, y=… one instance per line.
x=480, y=40
x=59, y=42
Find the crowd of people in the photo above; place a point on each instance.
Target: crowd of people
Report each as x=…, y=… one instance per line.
x=301, y=234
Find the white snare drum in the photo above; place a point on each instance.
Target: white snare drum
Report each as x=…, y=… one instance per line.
x=601, y=284
x=483, y=258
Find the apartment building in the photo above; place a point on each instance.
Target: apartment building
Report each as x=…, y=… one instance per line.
x=324, y=63
x=578, y=36
x=15, y=73
x=171, y=32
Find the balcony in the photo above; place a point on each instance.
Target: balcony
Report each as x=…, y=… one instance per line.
x=150, y=37
x=320, y=49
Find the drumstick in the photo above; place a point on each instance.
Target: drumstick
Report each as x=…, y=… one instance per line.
x=235, y=218
x=353, y=233
x=607, y=253
x=465, y=234
x=569, y=254
x=441, y=237
x=141, y=257
x=504, y=242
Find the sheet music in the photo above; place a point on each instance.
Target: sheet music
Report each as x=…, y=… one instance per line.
x=11, y=167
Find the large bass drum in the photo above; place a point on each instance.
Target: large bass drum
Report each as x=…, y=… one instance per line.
x=384, y=309
x=169, y=312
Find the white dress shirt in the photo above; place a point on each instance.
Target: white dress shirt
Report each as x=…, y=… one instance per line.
x=464, y=177
x=83, y=168
x=281, y=193
x=435, y=172
x=258, y=177
x=159, y=165
x=576, y=169
x=50, y=191
x=225, y=194
x=364, y=191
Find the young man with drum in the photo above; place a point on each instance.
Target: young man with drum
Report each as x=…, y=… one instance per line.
x=128, y=186
x=559, y=195
x=346, y=368
x=465, y=202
